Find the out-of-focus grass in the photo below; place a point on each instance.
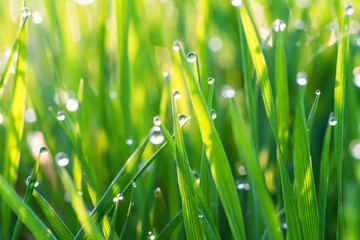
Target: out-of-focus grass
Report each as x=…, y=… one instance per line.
x=121, y=52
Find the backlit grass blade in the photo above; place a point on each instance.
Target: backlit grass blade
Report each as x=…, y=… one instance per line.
x=324, y=179
x=60, y=228
x=215, y=153
x=339, y=105
x=311, y=117
x=159, y=215
x=90, y=226
x=24, y=212
x=252, y=166
x=305, y=186
x=170, y=227
x=292, y=218
x=131, y=204
x=194, y=226
x=15, y=127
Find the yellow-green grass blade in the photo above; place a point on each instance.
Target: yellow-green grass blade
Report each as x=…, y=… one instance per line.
x=24, y=212
x=131, y=204
x=282, y=95
x=311, y=117
x=89, y=224
x=292, y=217
x=339, y=105
x=170, y=227
x=215, y=153
x=194, y=225
x=4, y=74
x=15, y=127
x=159, y=215
x=60, y=228
x=324, y=179
x=303, y=171
x=247, y=151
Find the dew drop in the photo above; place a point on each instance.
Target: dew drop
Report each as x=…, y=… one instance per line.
x=113, y=94
x=133, y=183
x=200, y=215
x=157, y=121
x=129, y=141
x=176, y=46
x=332, y=121
x=151, y=236
x=191, y=57
x=213, y=114
x=118, y=197
x=355, y=149
x=236, y=3
x=25, y=12
x=28, y=181
x=166, y=76
x=156, y=135
x=242, y=184
x=317, y=92
x=176, y=94
x=182, y=119
x=72, y=104
x=30, y=115
x=301, y=78
x=37, y=17
x=279, y=25
x=60, y=116
x=62, y=159
x=211, y=80
x=284, y=225
x=1, y=118
x=349, y=9
x=196, y=175
x=228, y=91
x=43, y=151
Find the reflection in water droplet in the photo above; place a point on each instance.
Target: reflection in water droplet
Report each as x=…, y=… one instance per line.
x=196, y=175
x=182, y=119
x=133, y=183
x=349, y=9
x=301, y=78
x=61, y=116
x=25, y=12
x=37, y=17
x=317, y=92
x=200, y=215
x=236, y=3
x=242, y=184
x=157, y=121
x=191, y=57
x=62, y=159
x=332, y=121
x=176, y=94
x=211, y=80
x=28, y=181
x=151, y=236
x=166, y=76
x=129, y=141
x=72, y=104
x=156, y=135
x=176, y=46
x=228, y=91
x=118, y=197
x=279, y=25
x=113, y=94
x=43, y=151
x=213, y=114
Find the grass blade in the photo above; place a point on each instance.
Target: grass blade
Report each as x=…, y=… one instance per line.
x=311, y=117
x=170, y=227
x=24, y=212
x=131, y=204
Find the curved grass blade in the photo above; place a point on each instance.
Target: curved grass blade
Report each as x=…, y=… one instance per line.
x=304, y=178
x=24, y=212
x=215, y=153
x=194, y=226
x=293, y=222
x=311, y=117
x=61, y=230
x=131, y=204
x=170, y=227
x=247, y=151
x=324, y=179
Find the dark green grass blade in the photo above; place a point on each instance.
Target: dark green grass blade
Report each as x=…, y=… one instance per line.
x=247, y=151
x=24, y=212
x=131, y=204
x=292, y=218
x=311, y=117
x=324, y=179
x=194, y=226
x=305, y=186
x=339, y=105
x=215, y=153
x=170, y=227
x=61, y=230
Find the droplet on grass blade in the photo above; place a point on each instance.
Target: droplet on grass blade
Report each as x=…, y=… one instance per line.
x=28, y=181
x=176, y=46
x=349, y=9
x=317, y=92
x=236, y=3
x=43, y=151
x=332, y=121
x=242, y=184
x=279, y=25
x=166, y=76
x=200, y=215
x=182, y=119
x=30, y=115
x=60, y=115
x=151, y=236
x=133, y=183
x=25, y=12
x=156, y=135
x=213, y=114
x=157, y=121
x=228, y=91
x=1, y=118
x=176, y=94
x=355, y=149
x=129, y=141
x=211, y=80
x=191, y=57
x=62, y=159
x=118, y=197
x=37, y=17
x=196, y=175
x=72, y=104
x=301, y=78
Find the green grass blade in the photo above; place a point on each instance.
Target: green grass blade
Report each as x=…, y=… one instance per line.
x=24, y=212
x=170, y=227
x=247, y=151
x=194, y=226
x=311, y=117
x=293, y=223
x=90, y=226
x=61, y=230
x=215, y=153
x=305, y=186
x=339, y=105
x=159, y=215
x=324, y=179
x=131, y=204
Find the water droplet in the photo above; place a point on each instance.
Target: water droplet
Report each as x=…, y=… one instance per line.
x=25, y=12
x=191, y=57
x=317, y=92
x=301, y=78
x=156, y=135
x=242, y=184
x=176, y=46
x=332, y=120
x=61, y=116
x=30, y=115
x=43, y=151
x=213, y=114
x=200, y=215
x=228, y=91
x=62, y=159
x=151, y=236
x=182, y=119
x=113, y=95
x=157, y=192
x=215, y=44
x=37, y=17
x=236, y=3
x=355, y=149
x=133, y=183
x=279, y=25
x=299, y=24
x=118, y=197
x=72, y=104
x=176, y=94
x=349, y=9
x=1, y=118
x=129, y=141
x=166, y=76
x=211, y=80
x=196, y=175
x=28, y=181
x=284, y=225
x=157, y=121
